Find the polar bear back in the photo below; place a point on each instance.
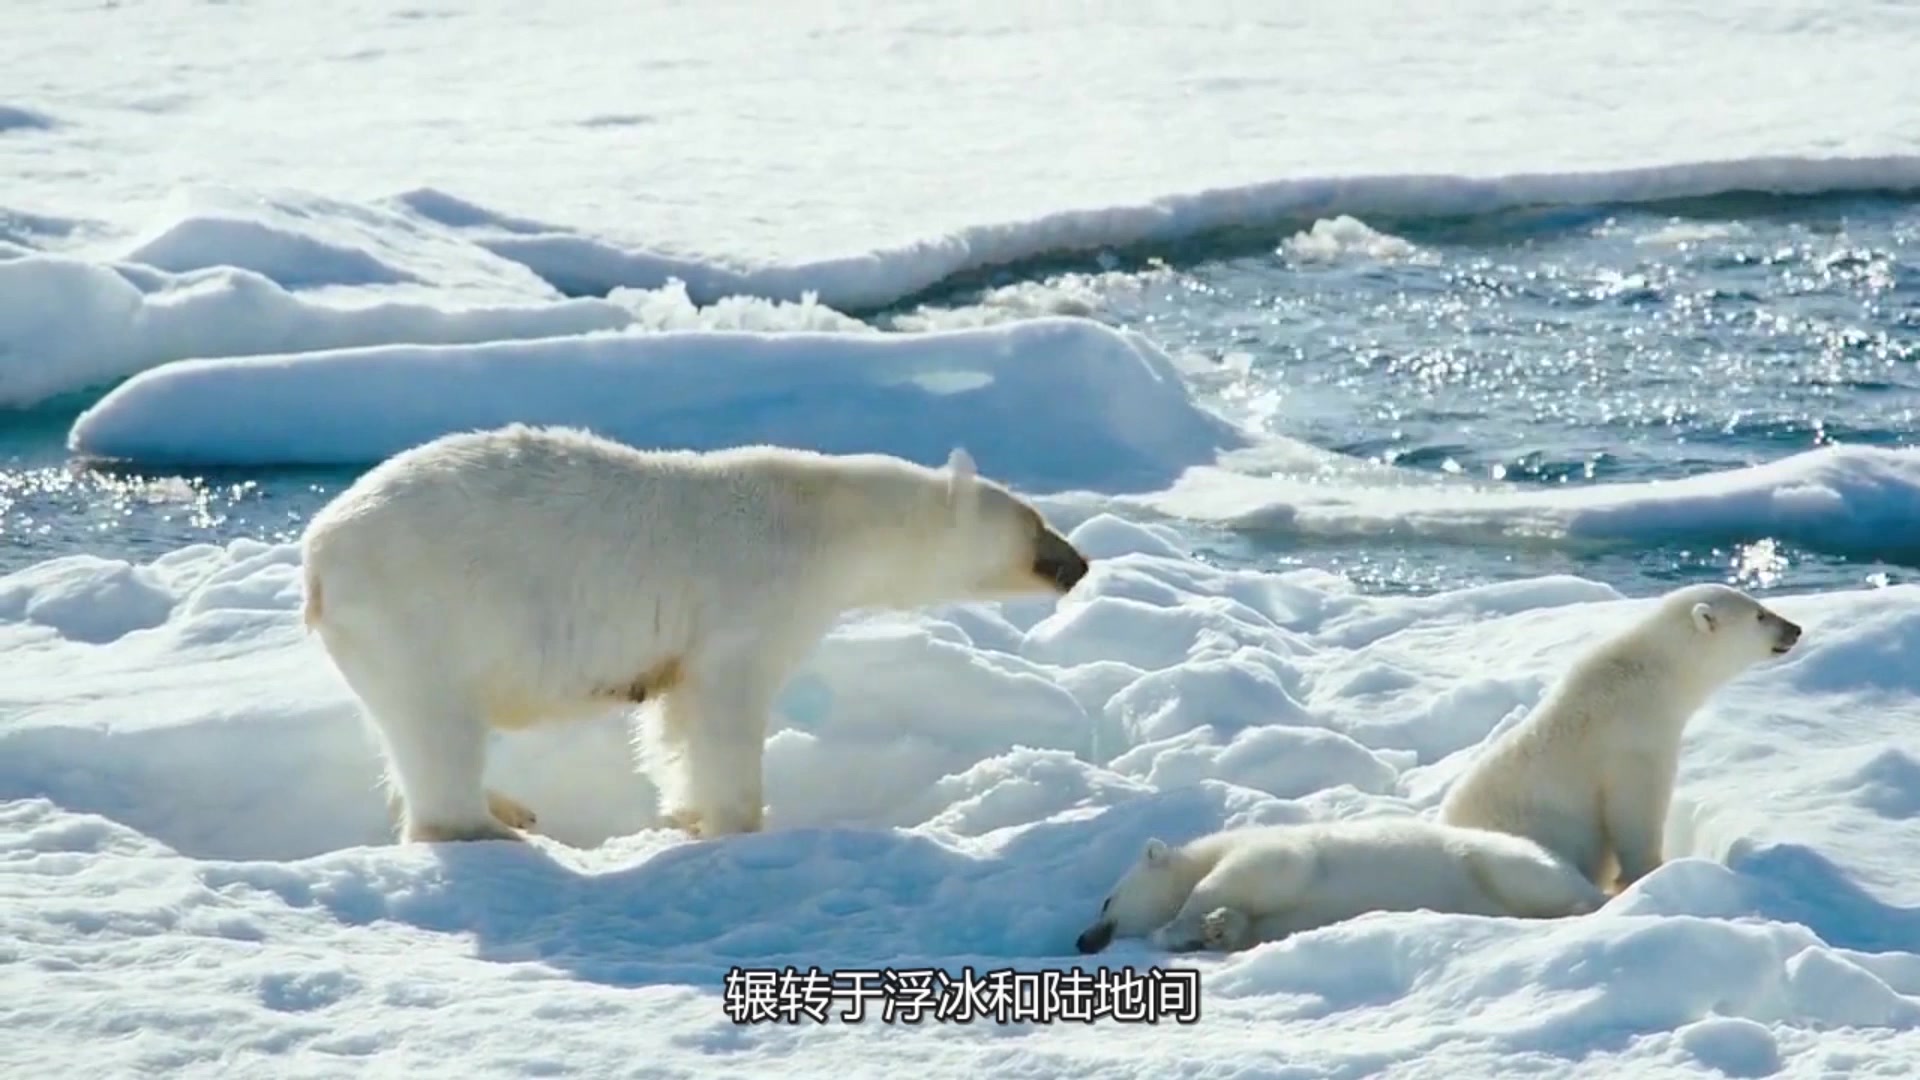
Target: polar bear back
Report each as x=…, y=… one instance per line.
x=497, y=553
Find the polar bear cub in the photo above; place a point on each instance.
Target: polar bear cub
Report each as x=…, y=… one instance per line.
x=1240, y=887
x=517, y=576
x=1589, y=772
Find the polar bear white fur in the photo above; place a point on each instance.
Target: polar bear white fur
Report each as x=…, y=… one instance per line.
x=1237, y=888
x=513, y=577
x=1589, y=772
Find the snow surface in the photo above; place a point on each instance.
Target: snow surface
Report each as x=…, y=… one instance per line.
x=197, y=877
x=318, y=239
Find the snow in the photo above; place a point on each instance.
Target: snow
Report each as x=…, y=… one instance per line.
x=194, y=845
x=866, y=128
x=75, y=325
x=245, y=239
x=305, y=256
x=1160, y=127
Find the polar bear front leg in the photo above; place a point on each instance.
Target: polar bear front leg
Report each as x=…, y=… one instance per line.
x=719, y=723
x=1226, y=930
x=1187, y=931
x=1241, y=901
x=1635, y=803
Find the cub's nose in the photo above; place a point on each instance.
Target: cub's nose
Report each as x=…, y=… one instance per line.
x=1059, y=563
x=1095, y=938
x=1788, y=636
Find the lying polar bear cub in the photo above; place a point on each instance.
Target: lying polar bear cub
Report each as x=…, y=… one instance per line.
x=1240, y=887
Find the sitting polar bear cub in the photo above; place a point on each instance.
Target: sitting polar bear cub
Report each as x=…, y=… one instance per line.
x=524, y=575
x=1589, y=773
x=1241, y=887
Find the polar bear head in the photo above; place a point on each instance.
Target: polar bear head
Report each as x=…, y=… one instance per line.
x=991, y=543
x=1146, y=898
x=1715, y=631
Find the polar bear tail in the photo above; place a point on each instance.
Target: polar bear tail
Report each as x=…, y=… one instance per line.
x=313, y=605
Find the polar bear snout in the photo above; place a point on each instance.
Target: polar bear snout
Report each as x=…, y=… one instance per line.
x=1785, y=636
x=1094, y=938
x=1057, y=562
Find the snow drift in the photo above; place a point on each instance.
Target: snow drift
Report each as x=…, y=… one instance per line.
x=192, y=832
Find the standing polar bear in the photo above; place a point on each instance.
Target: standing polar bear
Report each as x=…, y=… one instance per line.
x=1589, y=773
x=519, y=576
x=1240, y=887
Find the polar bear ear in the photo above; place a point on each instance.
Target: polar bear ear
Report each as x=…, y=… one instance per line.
x=1156, y=852
x=1703, y=617
x=960, y=476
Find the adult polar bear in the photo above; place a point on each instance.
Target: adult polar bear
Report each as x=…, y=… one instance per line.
x=1589, y=773
x=523, y=575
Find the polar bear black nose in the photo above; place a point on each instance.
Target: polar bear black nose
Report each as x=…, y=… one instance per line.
x=1058, y=562
x=1095, y=938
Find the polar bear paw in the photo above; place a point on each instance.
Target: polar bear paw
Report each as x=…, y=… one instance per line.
x=491, y=829
x=1225, y=930
x=706, y=825
x=510, y=812
x=685, y=818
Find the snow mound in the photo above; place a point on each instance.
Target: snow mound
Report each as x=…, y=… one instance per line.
x=1045, y=404
x=189, y=818
x=303, y=241
x=67, y=325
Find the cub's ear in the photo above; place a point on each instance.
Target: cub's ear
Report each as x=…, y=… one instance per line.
x=1156, y=852
x=1703, y=618
x=960, y=475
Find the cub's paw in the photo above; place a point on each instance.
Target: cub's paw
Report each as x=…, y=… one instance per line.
x=1225, y=930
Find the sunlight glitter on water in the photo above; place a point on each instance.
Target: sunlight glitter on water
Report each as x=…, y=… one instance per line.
x=50, y=511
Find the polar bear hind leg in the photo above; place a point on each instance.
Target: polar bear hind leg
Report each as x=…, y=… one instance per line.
x=712, y=738
x=436, y=754
x=1543, y=888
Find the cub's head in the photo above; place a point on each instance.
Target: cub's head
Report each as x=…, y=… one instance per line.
x=1728, y=629
x=999, y=545
x=1147, y=897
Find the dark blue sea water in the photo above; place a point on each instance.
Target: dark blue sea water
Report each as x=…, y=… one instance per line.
x=1554, y=347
